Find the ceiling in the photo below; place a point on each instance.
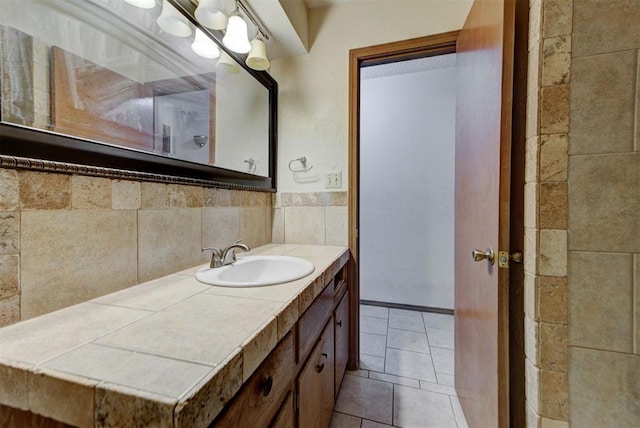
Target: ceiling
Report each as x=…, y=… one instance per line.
x=439, y=62
x=320, y=3
x=286, y=22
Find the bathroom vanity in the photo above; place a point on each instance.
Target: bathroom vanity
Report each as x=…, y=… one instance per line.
x=174, y=352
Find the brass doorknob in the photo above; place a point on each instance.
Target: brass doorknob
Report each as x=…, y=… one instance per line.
x=488, y=255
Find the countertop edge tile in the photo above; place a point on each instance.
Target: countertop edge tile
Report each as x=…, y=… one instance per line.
x=61, y=396
x=202, y=403
x=258, y=346
x=306, y=297
x=288, y=316
x=13, y=383
x=118, y=405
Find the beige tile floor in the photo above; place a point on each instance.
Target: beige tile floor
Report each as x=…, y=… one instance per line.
x=406, y=373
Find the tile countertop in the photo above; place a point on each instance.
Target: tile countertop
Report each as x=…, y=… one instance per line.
x=169, y=352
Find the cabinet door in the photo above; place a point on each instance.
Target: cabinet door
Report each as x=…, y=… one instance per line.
x=316, y=384
x=261, y=396
x=341, y=325
x=286, y=417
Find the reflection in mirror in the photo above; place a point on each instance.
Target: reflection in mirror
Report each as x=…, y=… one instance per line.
x=105, y=71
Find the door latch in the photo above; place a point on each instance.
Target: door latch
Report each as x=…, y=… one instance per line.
x=504, y=257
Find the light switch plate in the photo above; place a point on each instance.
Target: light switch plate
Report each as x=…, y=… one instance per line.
x=333, y=180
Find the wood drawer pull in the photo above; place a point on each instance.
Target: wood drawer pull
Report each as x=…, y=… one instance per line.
x=267, y=384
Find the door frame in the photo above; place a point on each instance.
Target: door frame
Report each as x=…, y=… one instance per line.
x=421, y=47
x=440, y=44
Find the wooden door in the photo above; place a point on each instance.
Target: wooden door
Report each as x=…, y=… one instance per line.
x=483, y=143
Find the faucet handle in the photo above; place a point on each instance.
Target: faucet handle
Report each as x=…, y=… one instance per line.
x=228, y=255
x=216, y=257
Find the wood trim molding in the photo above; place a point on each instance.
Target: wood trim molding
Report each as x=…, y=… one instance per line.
x=420, y=47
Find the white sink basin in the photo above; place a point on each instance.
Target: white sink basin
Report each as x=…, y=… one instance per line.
x=256, y=271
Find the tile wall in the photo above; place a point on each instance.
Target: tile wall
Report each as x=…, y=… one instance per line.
x=546, y=213
x=582, y=214
x=604, y=215
x=310, y=218
x=65, y=239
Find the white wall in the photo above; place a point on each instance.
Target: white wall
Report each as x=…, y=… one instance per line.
x=313, y=104
x=407, y=188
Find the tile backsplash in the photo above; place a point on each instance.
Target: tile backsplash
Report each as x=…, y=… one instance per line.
x=65, y=239
x=310, y=218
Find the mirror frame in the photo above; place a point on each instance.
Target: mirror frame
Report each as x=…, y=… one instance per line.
x=35, y=149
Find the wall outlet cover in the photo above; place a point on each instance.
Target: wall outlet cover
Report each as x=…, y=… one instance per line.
x=333, y=180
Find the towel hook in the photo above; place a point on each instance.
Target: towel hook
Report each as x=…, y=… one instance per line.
x=303, y=162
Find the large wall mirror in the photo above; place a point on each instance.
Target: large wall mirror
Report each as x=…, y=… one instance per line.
x=100, y=83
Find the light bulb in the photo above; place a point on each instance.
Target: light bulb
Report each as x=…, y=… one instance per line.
x=204, y=46
x=257, y=58
x=172, y=21
x=236, y=36
x=210, y=13
x=143, y=4
x=226, y=64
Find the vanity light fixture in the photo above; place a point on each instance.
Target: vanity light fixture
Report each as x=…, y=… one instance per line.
x=257, y=58
x=236, y=37
x=210, y=13
x=205, y=47
x=172, y=21
x=227, y=65
x=143, y=4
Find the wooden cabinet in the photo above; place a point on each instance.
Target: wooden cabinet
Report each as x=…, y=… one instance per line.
x=341, y=333
x=261, y=396
x=316, y=384
x=296, y=386
x=286, y=417
x=313, y=320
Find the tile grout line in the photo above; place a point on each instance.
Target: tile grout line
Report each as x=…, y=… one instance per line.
x=436, y=384
x=393, y=400
x=635, y=297
x=386, y=342
x=433, y=364
x=454, y=413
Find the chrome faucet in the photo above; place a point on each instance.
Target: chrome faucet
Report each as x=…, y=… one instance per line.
x=229, y=253
x=226, y=256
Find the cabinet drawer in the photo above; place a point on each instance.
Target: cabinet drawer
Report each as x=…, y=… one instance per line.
x=261, y=396
x=313, y=320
